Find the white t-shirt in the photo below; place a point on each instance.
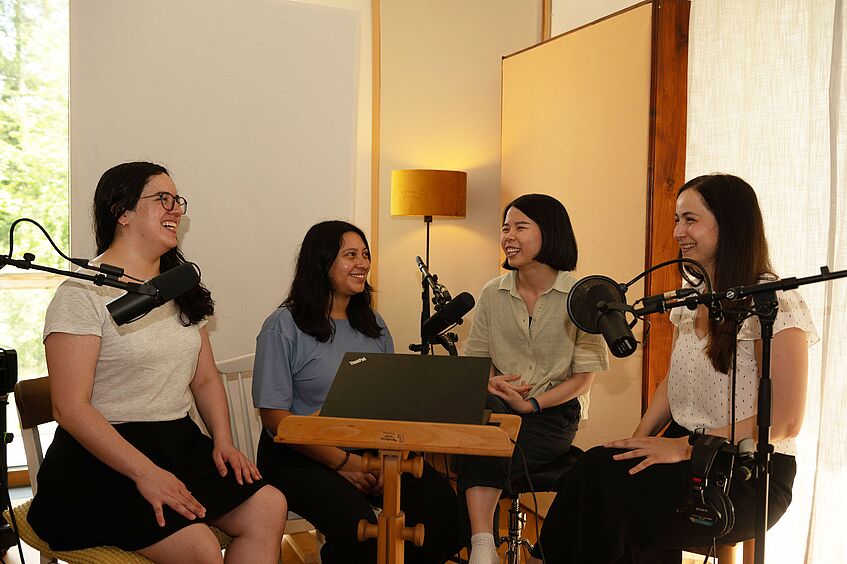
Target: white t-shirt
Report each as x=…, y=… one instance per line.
x=144, y=368
x=700, y=396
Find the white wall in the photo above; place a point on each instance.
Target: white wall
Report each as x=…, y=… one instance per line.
x=253, y=106
x=440, y=108
x=570, y=14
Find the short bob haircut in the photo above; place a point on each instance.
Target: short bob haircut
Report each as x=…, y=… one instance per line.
x=558, y=242
x=310, y=298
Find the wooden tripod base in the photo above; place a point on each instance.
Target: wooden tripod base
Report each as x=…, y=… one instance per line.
x=391, y=531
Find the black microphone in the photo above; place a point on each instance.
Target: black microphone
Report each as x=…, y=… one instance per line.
x=450, y=314
x=658, y=303
x=596, y=305
x=672, y=295
x=611, y=322
x=441, y=293
x=143, y=298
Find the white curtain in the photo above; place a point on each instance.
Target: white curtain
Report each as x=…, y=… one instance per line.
x=768, y=102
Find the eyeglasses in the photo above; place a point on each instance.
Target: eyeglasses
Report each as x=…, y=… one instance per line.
x=168, y=201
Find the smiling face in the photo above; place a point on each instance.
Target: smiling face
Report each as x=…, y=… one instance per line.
x=696, y=229
x=520, y=238
x=150, y=221
x=349, y=271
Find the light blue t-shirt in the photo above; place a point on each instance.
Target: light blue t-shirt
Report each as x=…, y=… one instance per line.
x=293, y=370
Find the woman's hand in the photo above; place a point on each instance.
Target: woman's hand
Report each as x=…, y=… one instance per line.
x=496, y=385
x=511, y=394
x=369, y=483
x=654, y=450
x=244, y=470
x=159, y=487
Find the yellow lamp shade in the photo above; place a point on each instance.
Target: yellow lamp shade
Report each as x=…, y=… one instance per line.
x=428, y=192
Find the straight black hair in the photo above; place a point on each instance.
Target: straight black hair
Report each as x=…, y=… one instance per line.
x=310, y=298
x=118, y=190
x=558, y=242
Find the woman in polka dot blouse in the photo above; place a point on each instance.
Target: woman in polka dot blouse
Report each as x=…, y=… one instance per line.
x=621, y=502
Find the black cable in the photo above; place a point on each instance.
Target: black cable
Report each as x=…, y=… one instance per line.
x=679, y=261
x=32, y=221
x=534, y=501
x=83, y=263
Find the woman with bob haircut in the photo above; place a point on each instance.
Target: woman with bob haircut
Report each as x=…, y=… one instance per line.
x=127, y=466
x=328, y=313
x=630, y=500
x=542, y=366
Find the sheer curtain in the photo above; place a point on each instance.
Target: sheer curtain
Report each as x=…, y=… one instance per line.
x=768, y=102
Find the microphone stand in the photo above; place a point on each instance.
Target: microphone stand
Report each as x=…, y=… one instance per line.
x=425, y=346
x=446, y=340
x=765, y=307
x=110, y=280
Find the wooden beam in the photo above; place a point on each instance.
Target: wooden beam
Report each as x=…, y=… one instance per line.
x=375, y=124
x=668, y=114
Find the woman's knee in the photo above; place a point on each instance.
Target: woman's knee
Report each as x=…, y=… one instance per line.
x=194, y=543
x=265, y=512
x=271, y=504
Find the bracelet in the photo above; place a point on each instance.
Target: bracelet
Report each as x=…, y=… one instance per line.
x=343, y=462
x=536, y=407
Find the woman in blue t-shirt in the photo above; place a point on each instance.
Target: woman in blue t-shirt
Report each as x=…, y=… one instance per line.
x=326, y=314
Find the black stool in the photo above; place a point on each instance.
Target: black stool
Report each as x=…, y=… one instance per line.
x=545, y=479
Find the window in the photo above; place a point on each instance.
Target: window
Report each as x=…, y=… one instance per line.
x=34, y=53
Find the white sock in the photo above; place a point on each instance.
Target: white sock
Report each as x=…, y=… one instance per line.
x=483, y=550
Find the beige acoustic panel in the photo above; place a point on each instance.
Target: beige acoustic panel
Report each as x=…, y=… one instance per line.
x=576, y=126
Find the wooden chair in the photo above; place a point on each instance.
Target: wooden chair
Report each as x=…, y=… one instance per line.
x=246, y=426
x=726, y=552
x=32, y=398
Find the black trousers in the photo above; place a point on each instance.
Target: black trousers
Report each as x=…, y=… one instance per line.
x=542, y=438
x=603, y=515
x=334, y=506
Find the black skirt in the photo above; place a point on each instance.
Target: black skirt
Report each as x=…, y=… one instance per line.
x=81, y=502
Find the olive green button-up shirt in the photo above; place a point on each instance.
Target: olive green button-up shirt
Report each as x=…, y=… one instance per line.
x=544, y=352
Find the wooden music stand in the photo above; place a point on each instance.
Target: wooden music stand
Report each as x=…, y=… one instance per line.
x=394, y=440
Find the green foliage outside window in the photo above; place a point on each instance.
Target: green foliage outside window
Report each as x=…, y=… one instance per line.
x=34, y=52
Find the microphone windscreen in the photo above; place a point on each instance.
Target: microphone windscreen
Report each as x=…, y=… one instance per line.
x=601, y=293
x=176, y=281
x=583, y=298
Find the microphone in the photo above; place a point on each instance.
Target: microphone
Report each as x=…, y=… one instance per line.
x=449, y=314
x=596, y=305
x=143, y=298
x=657, y=303
x=672, y=295
x=441, y=294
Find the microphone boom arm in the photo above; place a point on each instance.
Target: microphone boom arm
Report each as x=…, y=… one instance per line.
x=97, y=279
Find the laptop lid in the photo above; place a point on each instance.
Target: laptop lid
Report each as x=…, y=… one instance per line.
x=407, y=387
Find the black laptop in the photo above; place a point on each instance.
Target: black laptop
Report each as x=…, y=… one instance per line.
x=406, y=387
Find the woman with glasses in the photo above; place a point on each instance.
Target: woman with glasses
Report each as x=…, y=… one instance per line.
x=328, y=313
x=127, y=467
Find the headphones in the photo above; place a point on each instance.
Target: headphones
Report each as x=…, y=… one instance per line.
x=708, y=503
